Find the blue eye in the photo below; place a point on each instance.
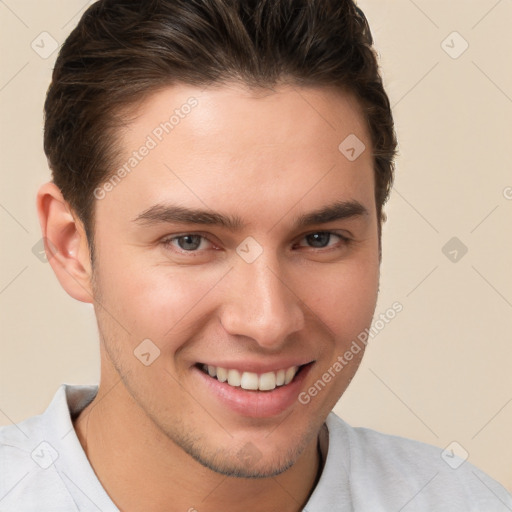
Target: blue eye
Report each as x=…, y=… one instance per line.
x=319, y=239
x=322, y=239
x=187, y=243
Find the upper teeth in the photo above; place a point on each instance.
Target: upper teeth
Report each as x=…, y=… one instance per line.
x=252, y=381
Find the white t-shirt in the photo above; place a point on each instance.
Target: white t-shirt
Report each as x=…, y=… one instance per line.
x=44, y=468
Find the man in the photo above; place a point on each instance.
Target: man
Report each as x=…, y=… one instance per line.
x=219, y=172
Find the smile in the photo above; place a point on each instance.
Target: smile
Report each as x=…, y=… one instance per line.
x=253, y=389
x=251, y=381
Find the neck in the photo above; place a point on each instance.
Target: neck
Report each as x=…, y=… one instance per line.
x=142, y=469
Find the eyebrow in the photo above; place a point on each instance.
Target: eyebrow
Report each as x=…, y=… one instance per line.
x=168, y=214
x=337, y=211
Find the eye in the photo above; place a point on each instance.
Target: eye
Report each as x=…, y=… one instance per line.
x=187, y=243
x=322, y=239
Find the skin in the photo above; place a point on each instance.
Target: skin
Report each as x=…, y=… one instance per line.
x=266, y=157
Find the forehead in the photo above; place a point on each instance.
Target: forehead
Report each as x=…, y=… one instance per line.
x=229, y=145
x=285, y=116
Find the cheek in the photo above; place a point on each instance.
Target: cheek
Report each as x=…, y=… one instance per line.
x=344, y=299
x=155, y=302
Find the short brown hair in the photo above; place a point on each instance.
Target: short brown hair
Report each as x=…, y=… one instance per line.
x=123, y=50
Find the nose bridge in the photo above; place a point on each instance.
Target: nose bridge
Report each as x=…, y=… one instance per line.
x=262, y=307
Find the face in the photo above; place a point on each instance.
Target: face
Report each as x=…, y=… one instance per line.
x=241, y=249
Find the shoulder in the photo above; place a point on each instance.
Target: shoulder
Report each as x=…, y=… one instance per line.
x=25, y=466
x=401, y=471
x=31, y=454
x=17, y=444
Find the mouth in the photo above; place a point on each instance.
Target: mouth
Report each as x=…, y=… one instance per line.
x=252, y=381
x=252, y=390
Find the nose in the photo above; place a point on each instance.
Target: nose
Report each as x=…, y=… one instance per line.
x=262, y=304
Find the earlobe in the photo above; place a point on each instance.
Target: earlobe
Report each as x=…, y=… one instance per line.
x=66, y=243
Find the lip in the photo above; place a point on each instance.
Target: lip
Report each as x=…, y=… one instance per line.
x=254, y=404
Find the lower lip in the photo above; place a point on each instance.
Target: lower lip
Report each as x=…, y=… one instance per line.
x=256, y=404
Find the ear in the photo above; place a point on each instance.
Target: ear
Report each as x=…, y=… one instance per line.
x=65, y=243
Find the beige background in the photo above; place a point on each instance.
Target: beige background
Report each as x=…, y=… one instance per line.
x=441, y=370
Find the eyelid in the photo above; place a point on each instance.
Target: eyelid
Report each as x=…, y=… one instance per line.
x=345, y=235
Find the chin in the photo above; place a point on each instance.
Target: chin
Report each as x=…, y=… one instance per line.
x=247, y=457
x=248, y=462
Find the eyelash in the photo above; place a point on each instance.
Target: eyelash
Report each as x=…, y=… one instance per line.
x=167, y=242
